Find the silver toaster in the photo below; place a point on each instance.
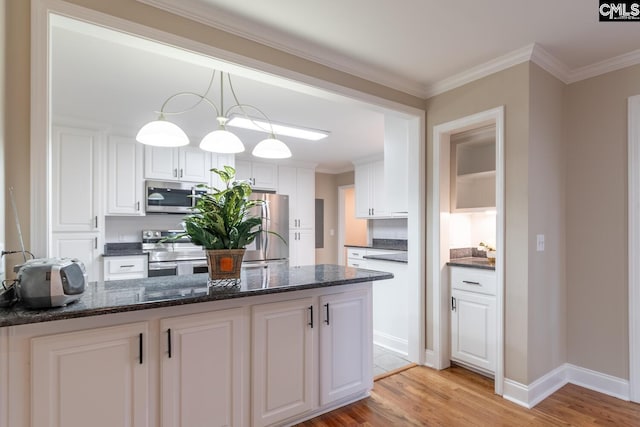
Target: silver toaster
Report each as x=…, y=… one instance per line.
x=50, y=282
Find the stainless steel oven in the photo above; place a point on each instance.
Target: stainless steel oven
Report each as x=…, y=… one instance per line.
x=170, y=257
x=170, y=197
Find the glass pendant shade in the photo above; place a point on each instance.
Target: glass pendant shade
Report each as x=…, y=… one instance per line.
x=222, y=141
x=271, y=148
x=162, y=133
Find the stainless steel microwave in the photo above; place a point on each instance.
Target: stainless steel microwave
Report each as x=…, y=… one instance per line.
x=170, y=197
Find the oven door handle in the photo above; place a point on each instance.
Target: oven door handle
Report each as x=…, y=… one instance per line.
x=162, y=265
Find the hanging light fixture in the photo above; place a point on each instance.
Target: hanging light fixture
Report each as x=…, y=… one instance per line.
x=163, y=133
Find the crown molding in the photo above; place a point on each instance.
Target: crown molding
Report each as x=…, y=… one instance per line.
x=335, y=171
x=550, y=63
x=606, y=66
x=500, y=63
x=272, y=38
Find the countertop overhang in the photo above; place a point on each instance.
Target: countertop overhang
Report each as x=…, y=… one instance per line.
x=141, y=294
x=472, y=262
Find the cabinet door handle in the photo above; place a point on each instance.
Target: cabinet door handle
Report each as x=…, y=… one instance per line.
x=140, y=348
x=169, y=342
x=373, y=211
x=138, y=206
x=310, y=316
x=181, y=172
x=355, y=265
x=468, y=282
x=175, y=173
x=95, y=221
x=95, y=243
x=453, y=304
x=326, y=307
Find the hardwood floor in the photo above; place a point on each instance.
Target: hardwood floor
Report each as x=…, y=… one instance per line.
x=457, y=397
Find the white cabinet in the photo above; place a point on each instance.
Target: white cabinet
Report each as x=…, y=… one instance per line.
x=370, y=191
x=97, y=378
x=202, y=369
x=346, y=349
x=76, y=184
x=83, y=246
x=300, y=185
x=473, y=171
x=187, y=163
x=262, y=176
x=125, y=184
x=302, y=249
x=125, y=267
x=396, y=160
x=473, y=317
x=219, y=161
x=282, y=360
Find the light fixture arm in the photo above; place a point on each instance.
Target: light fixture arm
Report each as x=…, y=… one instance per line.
x=202, y=98
x=241, y=107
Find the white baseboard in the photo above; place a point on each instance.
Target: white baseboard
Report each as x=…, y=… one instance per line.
x=529, y=396
x=395, y=344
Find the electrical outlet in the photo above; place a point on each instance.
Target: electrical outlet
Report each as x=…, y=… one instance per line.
x=540, y=242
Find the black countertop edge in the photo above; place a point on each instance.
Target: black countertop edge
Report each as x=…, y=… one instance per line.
x=472, y=262
x=119, y=296
x=401, y=257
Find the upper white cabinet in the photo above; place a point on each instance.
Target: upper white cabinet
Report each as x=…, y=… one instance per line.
x=473, y=317
x=202, y=369
x=219, y=161
x=83, y=246
x=124, y=176
x=283, y=360
x=300, y=185
x=177, y=164
x=77, y=187
x=473, y=170
x=76, y=377
x=262, y=176
x=371, y=197
x=396, y=160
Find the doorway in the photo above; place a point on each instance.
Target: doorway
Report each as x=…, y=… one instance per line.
x=440, y=245
x=351, y=230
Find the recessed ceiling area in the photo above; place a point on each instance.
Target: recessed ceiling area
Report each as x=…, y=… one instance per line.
x=119, y=82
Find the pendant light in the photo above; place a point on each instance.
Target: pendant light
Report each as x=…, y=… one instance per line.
x=162, y=133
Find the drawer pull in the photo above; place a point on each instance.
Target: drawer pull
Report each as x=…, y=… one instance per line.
x=356, y=253
x=468, y=282
x=127, y=266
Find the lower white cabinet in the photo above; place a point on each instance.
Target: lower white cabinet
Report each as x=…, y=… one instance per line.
x=125, y=267
x=283, y=360
x=346, y=350
x=302, y=248
x=473, y=319
x=92, y=378
x=202, y=368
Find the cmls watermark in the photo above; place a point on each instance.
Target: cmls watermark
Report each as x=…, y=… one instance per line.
x=619, y=11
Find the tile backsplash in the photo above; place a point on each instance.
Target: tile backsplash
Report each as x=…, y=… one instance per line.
x=395, y=228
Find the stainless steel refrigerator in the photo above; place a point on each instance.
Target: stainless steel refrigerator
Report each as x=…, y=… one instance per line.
x=269, y=248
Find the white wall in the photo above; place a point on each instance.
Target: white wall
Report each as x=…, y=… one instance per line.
x=466, y=230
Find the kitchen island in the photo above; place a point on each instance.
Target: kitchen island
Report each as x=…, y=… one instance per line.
x=286, y=345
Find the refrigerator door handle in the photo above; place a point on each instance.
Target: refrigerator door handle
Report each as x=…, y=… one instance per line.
x=267, y=218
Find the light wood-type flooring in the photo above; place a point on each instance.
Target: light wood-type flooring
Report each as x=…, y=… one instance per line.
x=421, y=396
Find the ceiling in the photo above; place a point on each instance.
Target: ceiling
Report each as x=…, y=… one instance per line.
x=416, y=44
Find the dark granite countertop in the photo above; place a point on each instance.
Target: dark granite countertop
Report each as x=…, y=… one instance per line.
x=401, y=257
x=154, y=292
x=123, y=249
x=388, y=244
x=472, y=262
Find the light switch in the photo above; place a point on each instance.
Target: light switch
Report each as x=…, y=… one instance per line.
x=540, y=242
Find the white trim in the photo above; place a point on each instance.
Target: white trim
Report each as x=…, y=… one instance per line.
x=550, y=63
x=529, y=396
x=634, y=245
x=439, y=232
x=230, y=23
x=341, y=223
x=394, y=344
x=612, y=64
x=335, y=171
x=4, y=374
x=429, y=359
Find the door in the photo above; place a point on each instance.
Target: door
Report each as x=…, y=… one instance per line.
x=277, y=221
x=282, y=360
x=378, y=192
x=96, y=378
x=160, y=163
x=75, y=180
x=83, y=246
x=473, y=329
x=305, y=247
x=265, y=175
x=346, y=349
x=124, y=177
x=202, y=362
x=287, y=185
x=362, y=190
x=305, y=198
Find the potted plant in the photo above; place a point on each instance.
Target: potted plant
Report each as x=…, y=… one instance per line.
x=490, y=250
x=222, y=223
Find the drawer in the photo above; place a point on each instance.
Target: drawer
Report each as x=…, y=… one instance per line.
x=357, y=263
x=473, y=280
x=126, y=265
x=356, y=253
